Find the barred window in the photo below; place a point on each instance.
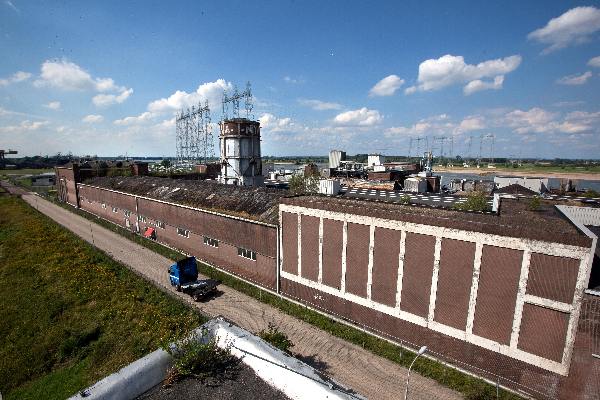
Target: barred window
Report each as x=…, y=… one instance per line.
x=160, y=224
x=183, y=232
x=127, y=213
x=142, y=218
x=211, y=242
x=249, y=254
x=115, y=209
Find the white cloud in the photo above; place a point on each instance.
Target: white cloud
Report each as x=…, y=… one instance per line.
x=478, y=85
x=471, y=123
x=53, y=105
x=24, y=126
x=573, y=27
x=449, y=70
x=143, y=117
x=92, y=119
x=319, y=105
x=18, y=76
x=66, y=75
x=102, y=100
x=211, y=91
x=387, y=86
x=538, y=120
x=289, y=79
x=575, y=79
x=271, y=123
x=594, y=62
x=361, y=117
x=12, y=6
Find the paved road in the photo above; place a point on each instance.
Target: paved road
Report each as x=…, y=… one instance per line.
x=351, y=365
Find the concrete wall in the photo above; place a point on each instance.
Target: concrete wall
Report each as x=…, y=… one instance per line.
x=507, y=305
x=139, y=213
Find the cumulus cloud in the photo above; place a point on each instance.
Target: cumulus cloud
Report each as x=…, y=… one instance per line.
x=450, y=70
x=361, y=117
x=289, y=79
x=211, y=91
x=271, y=123
x=538, y=120
x=575, y=79
x=143, y=117
x=573, y=27
x=24, y=126
x=102, y=100
x=387, y=86
x=92, y=119
x=594, y=62
x=471, y=123
x=53, y=105
x=18, y=76
x=66, y=75
x=478, y=85
x=319, y=105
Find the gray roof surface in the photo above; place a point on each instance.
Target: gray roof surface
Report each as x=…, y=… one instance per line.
x=260, y=204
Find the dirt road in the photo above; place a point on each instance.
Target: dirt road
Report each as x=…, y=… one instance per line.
x=367, y=374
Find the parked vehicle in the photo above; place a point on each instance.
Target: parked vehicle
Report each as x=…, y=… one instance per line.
x=183, y=275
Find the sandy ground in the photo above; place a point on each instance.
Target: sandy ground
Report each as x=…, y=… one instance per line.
x=492, y=171
x=351, y=365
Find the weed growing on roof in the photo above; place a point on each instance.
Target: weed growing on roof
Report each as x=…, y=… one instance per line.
x=535, y=203
x=204, y=361
x=476, y=201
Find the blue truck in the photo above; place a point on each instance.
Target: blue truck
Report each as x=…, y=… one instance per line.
x=183, y=275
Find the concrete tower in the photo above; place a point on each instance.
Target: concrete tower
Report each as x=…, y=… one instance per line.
x=239, y=142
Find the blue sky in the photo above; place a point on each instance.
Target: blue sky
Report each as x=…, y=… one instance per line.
x=106, y=78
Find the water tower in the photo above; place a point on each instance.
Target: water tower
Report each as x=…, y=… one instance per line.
x=240, y=152
x=239, y=143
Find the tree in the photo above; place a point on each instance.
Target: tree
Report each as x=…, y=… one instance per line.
x=300, y=184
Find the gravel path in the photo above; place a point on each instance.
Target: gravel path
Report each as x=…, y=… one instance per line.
x=351, y=365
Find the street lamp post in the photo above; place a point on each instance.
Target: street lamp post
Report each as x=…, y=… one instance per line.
x=421, y=351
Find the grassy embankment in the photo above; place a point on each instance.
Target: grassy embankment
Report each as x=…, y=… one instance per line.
x=472, y=388
x=70, y=314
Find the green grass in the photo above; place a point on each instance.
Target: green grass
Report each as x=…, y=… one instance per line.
x=70, y=314
x=471, y=388
x=25, y=171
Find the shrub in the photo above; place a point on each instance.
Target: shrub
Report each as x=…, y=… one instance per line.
x=476, y=201
x=194, y=359
x=591, y=193
x=276, y=338
x=535, y=203
x=405, y=199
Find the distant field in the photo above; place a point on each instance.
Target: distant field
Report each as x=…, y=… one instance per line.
x=591, y=169
x=70, y=314
x=25, y=171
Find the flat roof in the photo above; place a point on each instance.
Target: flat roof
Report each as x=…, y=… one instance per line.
x=514, y=220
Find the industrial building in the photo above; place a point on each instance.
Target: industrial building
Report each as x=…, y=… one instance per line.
x=507, y=296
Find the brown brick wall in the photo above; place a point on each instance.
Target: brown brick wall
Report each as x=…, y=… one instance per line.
x=332, y=252
x=417, y=272
x=385, y=266
x=454, y=283
x=543, y=332
x=310, y=247
x=357, y=259
x=552, y=277
x=497, y=293
x=289, y=243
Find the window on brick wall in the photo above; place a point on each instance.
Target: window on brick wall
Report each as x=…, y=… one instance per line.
x=115, y=210
x=183, y=232
x=160, y=224
x=127, y=213
x=142, y=218
x=211, y=242
x=104, y=205
x=249, y=254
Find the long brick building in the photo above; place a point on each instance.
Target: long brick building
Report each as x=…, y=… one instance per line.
x=506, y=296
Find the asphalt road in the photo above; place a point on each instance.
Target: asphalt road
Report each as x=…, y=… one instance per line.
x=350, y=365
